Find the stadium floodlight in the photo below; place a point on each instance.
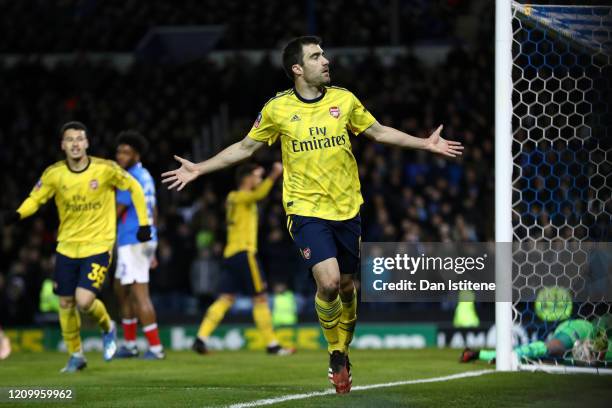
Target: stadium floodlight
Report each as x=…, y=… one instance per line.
x=553, y=93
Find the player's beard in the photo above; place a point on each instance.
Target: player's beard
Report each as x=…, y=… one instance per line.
x=325, y=80
x=319, y=80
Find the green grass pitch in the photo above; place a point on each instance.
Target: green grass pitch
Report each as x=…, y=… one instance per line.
x=185, y=379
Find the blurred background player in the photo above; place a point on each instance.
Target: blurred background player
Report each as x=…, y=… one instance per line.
x=321, y=188
x=84, y=191
x=135, y=258
x=242, y=272
x=5, y=345
x=588, y=342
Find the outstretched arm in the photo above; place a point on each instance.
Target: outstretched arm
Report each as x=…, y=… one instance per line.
x=190, y=171
x=263, y=189
x=434, y=143
x=40, y=194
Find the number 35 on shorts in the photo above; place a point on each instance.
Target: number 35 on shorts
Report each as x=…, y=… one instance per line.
x=97, y=275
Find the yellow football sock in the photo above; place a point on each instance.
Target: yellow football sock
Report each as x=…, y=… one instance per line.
x=348, y=320
x=263, y=321
x=329, y=316
x=70, y=323
x=213, y=316
x=97, y=311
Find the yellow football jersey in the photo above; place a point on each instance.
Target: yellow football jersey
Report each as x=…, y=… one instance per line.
x=241, y=216
x=85, y=202
x=320, y=172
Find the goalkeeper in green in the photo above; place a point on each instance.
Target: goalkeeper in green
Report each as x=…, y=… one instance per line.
x=587, y=341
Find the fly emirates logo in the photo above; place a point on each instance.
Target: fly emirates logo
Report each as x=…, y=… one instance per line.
x=320, y=140
x=79, y=203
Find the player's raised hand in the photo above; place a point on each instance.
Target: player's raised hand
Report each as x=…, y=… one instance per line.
x=181, y=176
x=437, y=144
x=277, y=170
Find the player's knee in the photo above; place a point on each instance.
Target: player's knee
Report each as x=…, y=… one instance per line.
x=84, y=304
x=67, y=302
x=145, y=307
x=141, y=297
x=260, y=298
x=329, y=287
x=347, y=286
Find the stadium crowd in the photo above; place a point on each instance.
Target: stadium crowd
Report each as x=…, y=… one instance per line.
x=408, y=196
x=120, y=25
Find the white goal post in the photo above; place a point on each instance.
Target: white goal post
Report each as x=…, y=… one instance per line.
x=503, y=180
x=553, y=92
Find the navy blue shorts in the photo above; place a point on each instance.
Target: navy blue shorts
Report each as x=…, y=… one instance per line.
x=88, y=273
x=320, y=239
x=242, y=274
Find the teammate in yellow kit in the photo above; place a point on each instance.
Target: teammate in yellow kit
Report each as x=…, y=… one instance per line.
x=84, y=191
x=321, y=190
x=241, y=269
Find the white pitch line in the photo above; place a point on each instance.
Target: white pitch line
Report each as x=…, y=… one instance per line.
x=284, y=398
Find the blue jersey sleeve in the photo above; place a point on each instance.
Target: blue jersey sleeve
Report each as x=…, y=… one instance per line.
x=124, y=198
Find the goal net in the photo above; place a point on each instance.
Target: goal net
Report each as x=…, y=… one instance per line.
x=561, y=207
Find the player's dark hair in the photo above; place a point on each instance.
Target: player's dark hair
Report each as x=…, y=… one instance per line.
x=133, y=139
x=73, y=125
x=244, y=170
x=293, y=54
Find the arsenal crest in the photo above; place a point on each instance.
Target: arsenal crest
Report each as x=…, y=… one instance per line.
x=334, y=111
x=306, y=253
x=93, y=184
